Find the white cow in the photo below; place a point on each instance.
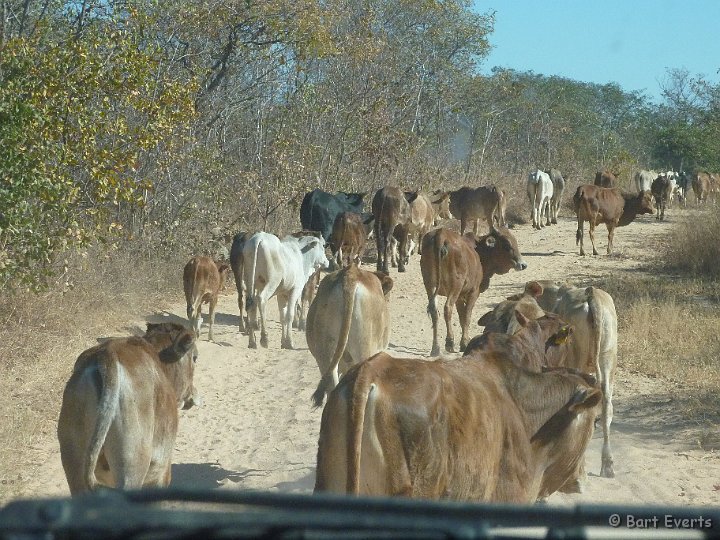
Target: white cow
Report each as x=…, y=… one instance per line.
x=278, y=267
x=540, y=192
x=643, y=180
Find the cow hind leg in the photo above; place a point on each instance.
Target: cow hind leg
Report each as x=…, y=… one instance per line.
x=447, y=312
x=211, y=316
x=579, y=237
x=611, y=236
x=286, y=306
x=433, y=312
x=591, y=232
x=606, y=469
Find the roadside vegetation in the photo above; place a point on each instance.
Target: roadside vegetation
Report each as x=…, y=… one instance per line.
x=130, y=130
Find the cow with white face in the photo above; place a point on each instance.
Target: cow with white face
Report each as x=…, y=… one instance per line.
x=274, y=267
x=540, y=193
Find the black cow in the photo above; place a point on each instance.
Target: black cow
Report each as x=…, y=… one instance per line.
x=320, y=208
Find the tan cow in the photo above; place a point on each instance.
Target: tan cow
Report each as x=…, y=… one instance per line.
x=306, y=299
x=609, y=206
x=473, y=204
x=119, y=414
x=348, y=322
x=593, y=348
x=460, y=268
x=477, y=428
x=422, y=219
x=203, y=279
x=701, y=187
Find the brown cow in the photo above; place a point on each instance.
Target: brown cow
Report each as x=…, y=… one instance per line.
x=593, y=349
x=119, y=414
x=348, y=238
x=701, y=187
x=473, y=204
x=477, y=428
x=460, y=268
x=609, y=206
x=348, y=322
x=606, y=179
x=661, y=190
x=203, y=279
x=390, y=208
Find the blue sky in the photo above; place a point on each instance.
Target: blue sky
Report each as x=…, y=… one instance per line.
x=630, y=42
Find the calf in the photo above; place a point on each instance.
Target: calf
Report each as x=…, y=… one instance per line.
x=460, y=268
x=391, y=208
x=422, y=219
x=473, y=204
x=609, y=206
x=278, y=268
x=606, y=179
x=349, y=237
x=203, y=279
x=593, y=348
x=348, y=322
x=539, y=192
x=119, y=414
x=478, y=428
x=661, y=190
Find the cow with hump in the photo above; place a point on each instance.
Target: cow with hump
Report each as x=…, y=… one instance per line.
x=203, y=279
x=348, y=322
x=473, y=204
x=479, y=428
x=459, y=268
x=612, y=207
x=594, y=344
x=119, y=414
x=274, y=267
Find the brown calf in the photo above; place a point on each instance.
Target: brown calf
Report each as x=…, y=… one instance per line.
x=609, y=206
x=203, y=279
x=348, y=238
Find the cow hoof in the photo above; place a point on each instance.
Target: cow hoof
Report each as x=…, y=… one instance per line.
x=435, y=351
x=572, y=486
x=401, y=269
x=252, y=345
x=301, y=325
x=264, y=342
x=463, y=346
x=450, y=345
x=607, y=471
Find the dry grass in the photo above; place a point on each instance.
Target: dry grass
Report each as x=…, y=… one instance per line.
x=43, y=334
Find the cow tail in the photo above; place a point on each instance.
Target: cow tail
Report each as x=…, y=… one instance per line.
x=349, y=291
x=107, y=409
x=362, y=397
x=197, y=296
x=580, y=199
x=441, y=252
x=250, y=284
x=595, y=317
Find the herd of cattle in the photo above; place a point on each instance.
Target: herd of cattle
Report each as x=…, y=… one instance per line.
x=508, y=421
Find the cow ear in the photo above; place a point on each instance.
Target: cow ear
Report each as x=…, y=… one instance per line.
x=534, y=289
x=309, y=246
x=386, y=282
x=585, y=399
x=490, y=240
x=486, y=319
x=563, y=334
x=180, y=347
x=151, y=326
x=522, y=319
x=515, y=297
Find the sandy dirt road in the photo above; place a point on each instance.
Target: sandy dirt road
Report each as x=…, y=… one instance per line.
x=257, y=428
